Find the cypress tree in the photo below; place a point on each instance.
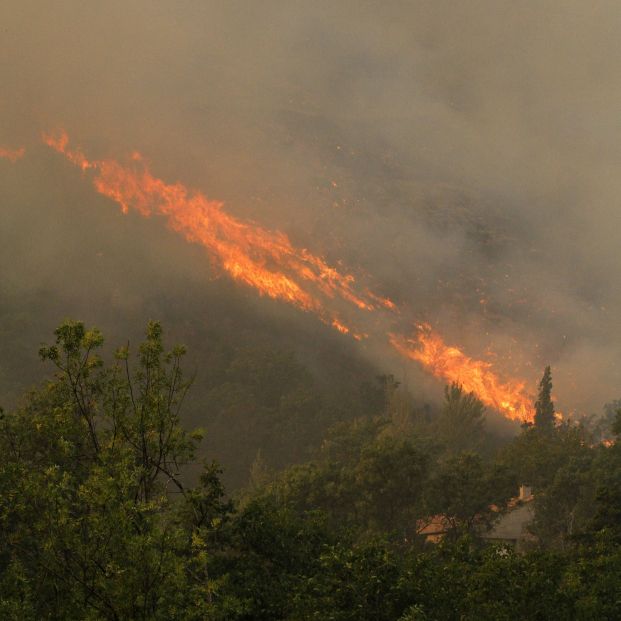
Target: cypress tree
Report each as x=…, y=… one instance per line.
x=544, y=408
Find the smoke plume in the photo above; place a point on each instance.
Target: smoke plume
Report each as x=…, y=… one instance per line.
x=464, y=156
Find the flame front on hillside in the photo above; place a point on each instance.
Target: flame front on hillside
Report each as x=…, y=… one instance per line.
x=269, y=263
x=262, y=259
x=451, y=364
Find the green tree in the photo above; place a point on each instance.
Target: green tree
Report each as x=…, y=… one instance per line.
x=273, y=553
x=559, y=466
x=565, y=507
x=461, y=422
x=358, y=582
x=607, y=505
x=544, y=407
x=97, y=520
x=468, y=492
x=362, y=479
x=389, y=481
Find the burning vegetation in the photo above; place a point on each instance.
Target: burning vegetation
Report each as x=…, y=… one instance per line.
x=477, y=376
x=269, y=263
x=12, y=154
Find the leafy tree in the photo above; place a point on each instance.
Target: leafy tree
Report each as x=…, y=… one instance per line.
x=468, y=493
x=363, y=479
x=461, y=423
x=503, y=585
x=357, y=582
x=97, y=520
x=565, y=506
x=592, y=579
x=558, y=465
x=389, y=480
x=607, y=504
x=537, y=457
x=345, y=441
x=380, y=491
x=273, y=554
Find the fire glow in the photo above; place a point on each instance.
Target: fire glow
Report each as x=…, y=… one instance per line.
x=476, y=376
x=264, y=260
x=12, y=154
x=268, y=262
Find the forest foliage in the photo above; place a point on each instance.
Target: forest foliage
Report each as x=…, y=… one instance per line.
x=110, y=510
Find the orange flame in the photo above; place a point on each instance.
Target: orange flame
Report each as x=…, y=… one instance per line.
x=262, y=259
x=12, y=154
x=268, y=262
x=337, y=325
x=451, y=364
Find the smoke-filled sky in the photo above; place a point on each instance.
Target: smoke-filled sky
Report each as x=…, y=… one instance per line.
x=463, y=155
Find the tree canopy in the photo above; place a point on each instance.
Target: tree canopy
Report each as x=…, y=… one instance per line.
x=108, y=511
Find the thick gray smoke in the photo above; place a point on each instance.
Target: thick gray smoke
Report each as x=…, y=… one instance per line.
x=465, y=155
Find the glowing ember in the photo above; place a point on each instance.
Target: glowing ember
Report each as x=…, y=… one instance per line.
x=385, y=302
x=12, y=154
x=339, y=326
x=452, y=365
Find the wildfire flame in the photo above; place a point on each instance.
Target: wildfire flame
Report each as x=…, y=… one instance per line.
x=262, y=259
x=268, y=262
x=451, y=364
x=12, y=154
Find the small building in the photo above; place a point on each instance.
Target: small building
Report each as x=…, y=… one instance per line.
x=434, y=528
x=511, y=527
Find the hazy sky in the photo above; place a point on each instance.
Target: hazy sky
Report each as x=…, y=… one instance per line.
x=465, y=155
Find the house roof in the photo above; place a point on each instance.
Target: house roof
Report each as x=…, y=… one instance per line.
x=512, y=524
